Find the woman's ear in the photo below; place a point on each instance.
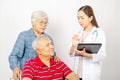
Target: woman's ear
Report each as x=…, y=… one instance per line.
x=91, y=18
x=33, y=23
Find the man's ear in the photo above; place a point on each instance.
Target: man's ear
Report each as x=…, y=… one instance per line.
x=38, y=50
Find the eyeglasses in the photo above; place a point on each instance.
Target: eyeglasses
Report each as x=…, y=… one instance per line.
x=50, y=44
x=43, y=24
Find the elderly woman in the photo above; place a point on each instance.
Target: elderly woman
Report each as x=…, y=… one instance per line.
x=23, y=50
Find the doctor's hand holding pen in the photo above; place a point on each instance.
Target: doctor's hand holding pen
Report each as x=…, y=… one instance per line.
x=75, y=41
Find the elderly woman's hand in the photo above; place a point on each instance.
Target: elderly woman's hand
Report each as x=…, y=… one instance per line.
x=56, y=58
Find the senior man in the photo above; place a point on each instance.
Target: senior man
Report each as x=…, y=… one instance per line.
x=43, y=67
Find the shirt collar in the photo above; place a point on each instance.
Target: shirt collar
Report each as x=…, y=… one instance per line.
x=40, y=63
x=32, y=32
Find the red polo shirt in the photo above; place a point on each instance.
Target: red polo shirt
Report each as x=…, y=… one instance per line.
x=37, y=70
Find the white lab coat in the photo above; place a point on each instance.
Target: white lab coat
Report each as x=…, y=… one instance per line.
x=91, y=68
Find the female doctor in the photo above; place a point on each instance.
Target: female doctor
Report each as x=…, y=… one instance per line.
x=88, y=66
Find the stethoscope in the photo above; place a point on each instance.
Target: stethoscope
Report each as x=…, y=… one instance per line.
x=95, y=32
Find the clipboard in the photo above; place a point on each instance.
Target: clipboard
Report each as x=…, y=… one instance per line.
x=91, y=48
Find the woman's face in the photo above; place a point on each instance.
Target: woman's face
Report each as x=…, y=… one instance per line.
x=83, y=19
x=40, y=25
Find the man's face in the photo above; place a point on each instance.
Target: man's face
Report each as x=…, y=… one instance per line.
x=46, y=47
x=40, y=25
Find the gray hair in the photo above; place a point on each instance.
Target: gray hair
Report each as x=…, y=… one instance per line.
x=38, y=15
x=36, y=42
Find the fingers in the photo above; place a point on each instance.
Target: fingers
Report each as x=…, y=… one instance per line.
x=16, y=76
x=78, y=33
x=57, y=59
x=80, y=53
x=75, y=39
x=16, y=73
x=84, y=49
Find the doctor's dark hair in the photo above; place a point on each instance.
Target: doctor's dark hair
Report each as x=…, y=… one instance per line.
x=89, y=12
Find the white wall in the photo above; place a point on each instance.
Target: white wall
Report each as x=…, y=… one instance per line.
x=15, y=17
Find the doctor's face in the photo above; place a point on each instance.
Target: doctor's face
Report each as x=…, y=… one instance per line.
x=83, y=19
